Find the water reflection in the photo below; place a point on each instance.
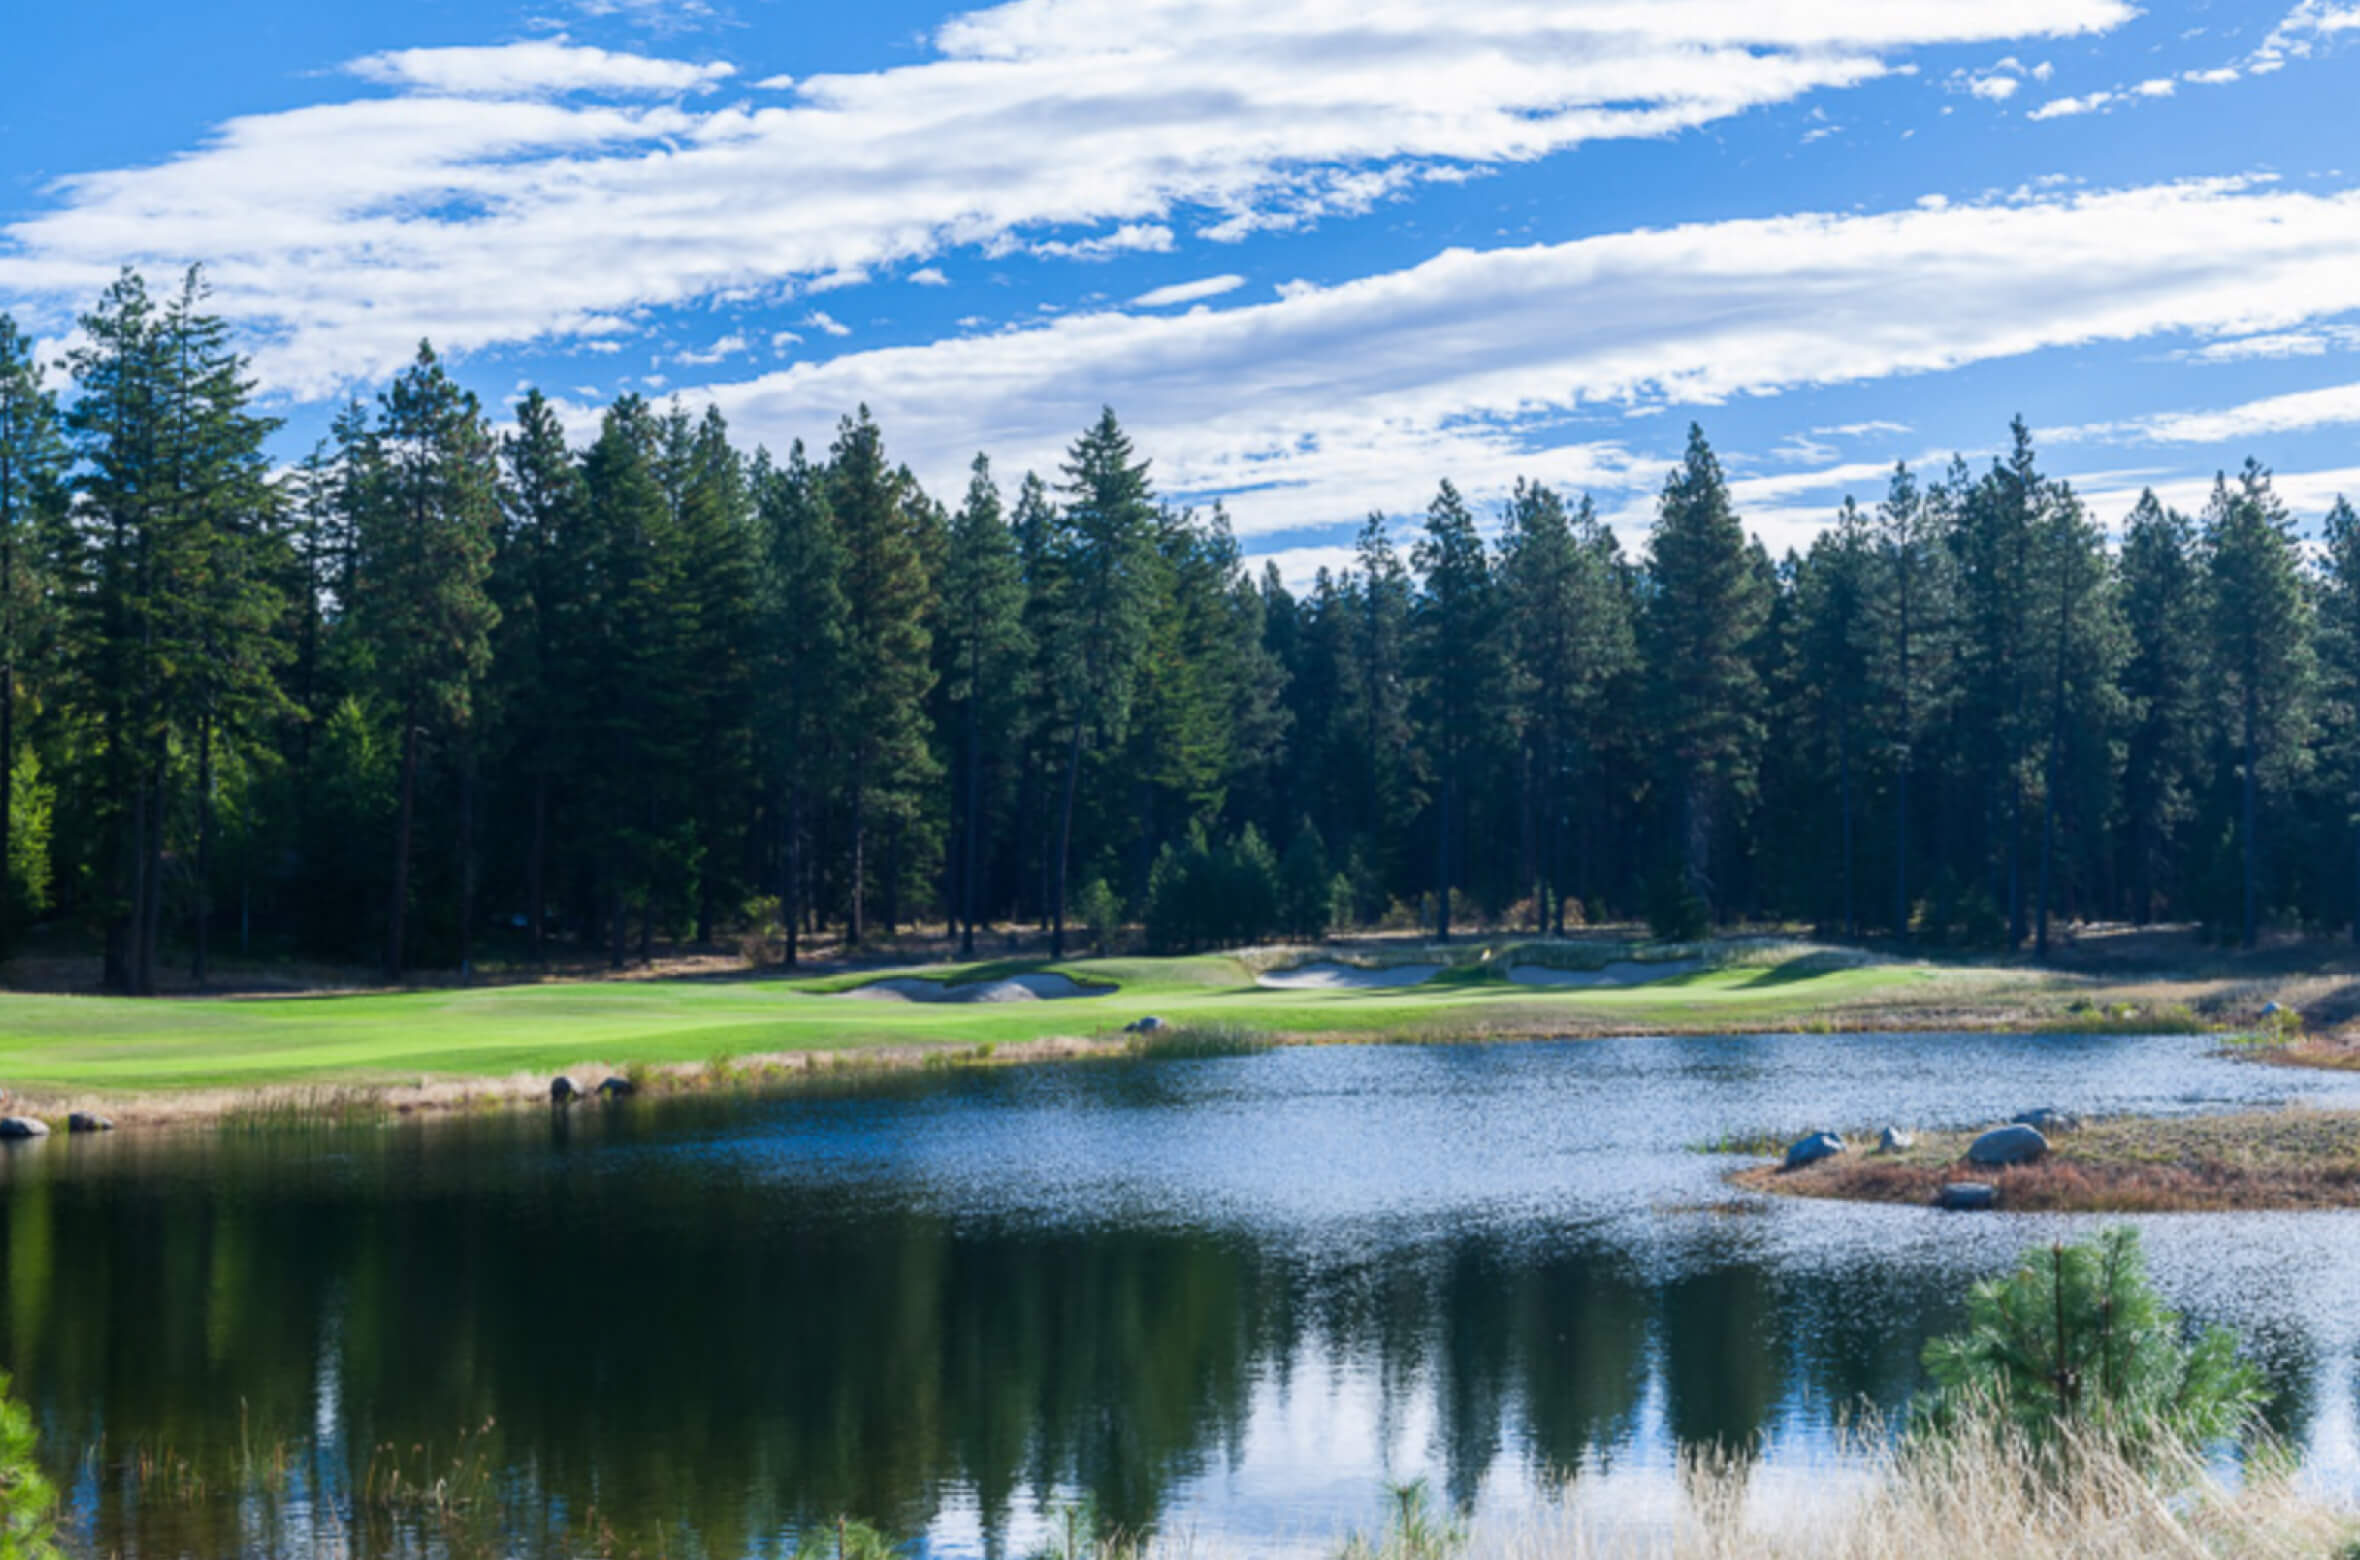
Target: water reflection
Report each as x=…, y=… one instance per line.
x=1229, y=1295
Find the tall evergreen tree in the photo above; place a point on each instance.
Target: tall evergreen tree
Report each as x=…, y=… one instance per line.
x=2263, y=666
x=1460, y=668
x=1706, y=602
x=2339, y=655
x=1104, y=577
x=804, y=650
x=1908, y=621
x=2163, y=684
x=886, y=645
x=422, y=558
x=985, y=650
x=33, y=463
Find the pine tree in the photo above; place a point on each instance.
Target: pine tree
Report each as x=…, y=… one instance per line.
x=985, y=650
x=2163, y=685
x=33, y=463
x=804, y=644
x=2263, y=665
x=886, y=644
x=718, y=546
x=1834, y=648
x=1706, y=603
x=2082, y=639
x=1104, y=585
x=1460, y=668
x=422, y=559
x=1907, y=621
x=2339, y=653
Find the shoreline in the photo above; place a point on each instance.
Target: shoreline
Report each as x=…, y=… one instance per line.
x=328, y=1098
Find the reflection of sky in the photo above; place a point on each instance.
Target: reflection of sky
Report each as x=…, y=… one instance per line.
x=1346, y=1154
x=1555, y=1176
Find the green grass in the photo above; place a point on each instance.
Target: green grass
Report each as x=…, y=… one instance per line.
x=56, y=1044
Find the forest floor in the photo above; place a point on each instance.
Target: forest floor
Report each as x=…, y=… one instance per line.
x=2247, y=1160
x=709, y=1016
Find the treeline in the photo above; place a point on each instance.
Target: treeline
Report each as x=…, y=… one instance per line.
x=439, y=685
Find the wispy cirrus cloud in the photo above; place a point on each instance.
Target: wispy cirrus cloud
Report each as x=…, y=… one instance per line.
x=1483, y=364
x=541, y=67
x=491, y=202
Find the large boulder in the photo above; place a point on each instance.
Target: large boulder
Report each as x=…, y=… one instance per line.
x=2016, y=1144
x=2049, y=1119
x=23, y=1127
x=1967, y=1196
x=616, y=1087
x=84, y=1121
x=563, y=1090
x=1810, y=1150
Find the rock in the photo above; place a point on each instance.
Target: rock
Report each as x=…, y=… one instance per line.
x=1967, y=1196
x=84, y=1121
x=562, y=1090
x=1810, y=1150
x=1144, y=1026
x=2018, y=1144
x=616, y=1088
x=2049, y=1119
x=1894, y=1140
x=23, y=1127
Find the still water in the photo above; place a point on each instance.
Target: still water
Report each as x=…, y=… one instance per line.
x=1226, y=1297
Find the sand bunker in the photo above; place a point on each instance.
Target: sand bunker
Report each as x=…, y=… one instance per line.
x=1329, y=976
x=1622, y=972
x=1016, y=988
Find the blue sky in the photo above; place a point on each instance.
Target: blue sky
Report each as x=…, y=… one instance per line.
x=1319, y=254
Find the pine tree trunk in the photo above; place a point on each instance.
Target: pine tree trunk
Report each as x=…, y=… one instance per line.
x=536, y=865
x=2252, y=825
x=1073, y=782
x=1844, y=787
x=7, y=774
x=199, y=924
x=467, y=863
x=1442, y=860
x=398, y=909
x=856, y=929
x=967, y=845
x=791, y=890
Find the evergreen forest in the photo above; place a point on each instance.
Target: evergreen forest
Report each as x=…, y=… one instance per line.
x=455, y=687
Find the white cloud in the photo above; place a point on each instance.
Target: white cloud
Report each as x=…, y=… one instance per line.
x=1997, y=89
x=774, y=83
x=518, y=212
x=1873, y=428
x=820, y=319
x=539, y=68
x=2291, y=413
x=1188, y=292
x=2064, y=107
x=930, y=276
x=729, y=346
x=2277, y=344
x=780, y=340
x=1130, y=238
x=1478, y=365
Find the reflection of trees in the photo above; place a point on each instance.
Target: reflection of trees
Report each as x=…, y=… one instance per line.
x=669, y=1348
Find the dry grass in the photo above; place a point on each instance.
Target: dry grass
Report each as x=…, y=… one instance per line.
x=1982, y=1496
x=2295, y=1158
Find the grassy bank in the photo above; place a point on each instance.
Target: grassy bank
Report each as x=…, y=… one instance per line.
x=2250, y=1160
x=200, y=1055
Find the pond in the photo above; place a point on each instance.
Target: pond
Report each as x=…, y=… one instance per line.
x=1224, y=1297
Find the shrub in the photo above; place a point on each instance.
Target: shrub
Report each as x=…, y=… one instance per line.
x=1100, y=914
x=27, y=1503
x=2076, y=1339
x=1675, y=912
x=1306, y=887
x=1204, y=896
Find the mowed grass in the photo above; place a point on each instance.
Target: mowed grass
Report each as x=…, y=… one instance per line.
x=118, y=1045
